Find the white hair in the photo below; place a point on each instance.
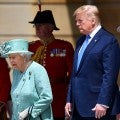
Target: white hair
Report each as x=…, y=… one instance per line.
x=26, y=56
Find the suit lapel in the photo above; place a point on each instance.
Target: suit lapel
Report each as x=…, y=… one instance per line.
x=93, y=42
x=78, y=46
x=88, y=49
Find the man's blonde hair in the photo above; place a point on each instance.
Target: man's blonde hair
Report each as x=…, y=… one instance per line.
x=91, y=11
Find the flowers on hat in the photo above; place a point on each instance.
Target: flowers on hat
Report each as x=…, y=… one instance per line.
x=4, y=48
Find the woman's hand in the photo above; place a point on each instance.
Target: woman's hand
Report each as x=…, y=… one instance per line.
x=23, y=114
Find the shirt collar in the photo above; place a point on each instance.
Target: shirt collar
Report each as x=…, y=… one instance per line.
x=95, y=31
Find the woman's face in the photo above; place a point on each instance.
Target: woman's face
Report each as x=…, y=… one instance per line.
x=16, y=61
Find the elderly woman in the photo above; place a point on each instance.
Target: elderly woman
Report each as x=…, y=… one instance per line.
x=31, y=91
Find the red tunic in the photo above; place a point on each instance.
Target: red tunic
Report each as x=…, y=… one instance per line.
x=57, y=58
x=5, y=84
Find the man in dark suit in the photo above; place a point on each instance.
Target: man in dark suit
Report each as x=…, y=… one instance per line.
x=93, y=91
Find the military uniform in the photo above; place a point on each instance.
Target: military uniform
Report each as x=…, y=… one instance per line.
x=57, y=58
x=5, y=86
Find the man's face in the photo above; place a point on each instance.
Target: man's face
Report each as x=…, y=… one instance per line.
x=43, y=30
x=84, y=24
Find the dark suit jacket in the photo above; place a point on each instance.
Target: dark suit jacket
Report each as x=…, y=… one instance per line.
x=95, y=81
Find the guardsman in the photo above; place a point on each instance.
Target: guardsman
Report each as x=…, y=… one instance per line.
x=56, y=56
x=5, y=86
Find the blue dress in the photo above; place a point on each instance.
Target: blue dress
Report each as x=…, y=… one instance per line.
x=32, y=89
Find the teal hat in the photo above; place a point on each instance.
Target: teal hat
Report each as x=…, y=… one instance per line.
x=14, y=46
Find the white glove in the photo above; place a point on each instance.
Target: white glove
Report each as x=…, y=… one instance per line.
x=23, y=114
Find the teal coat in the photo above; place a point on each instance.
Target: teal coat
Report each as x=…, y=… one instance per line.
x=32, y=88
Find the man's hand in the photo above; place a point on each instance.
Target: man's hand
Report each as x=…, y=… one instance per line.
x=100, y=111
x=118, y=117
x=68, y=108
